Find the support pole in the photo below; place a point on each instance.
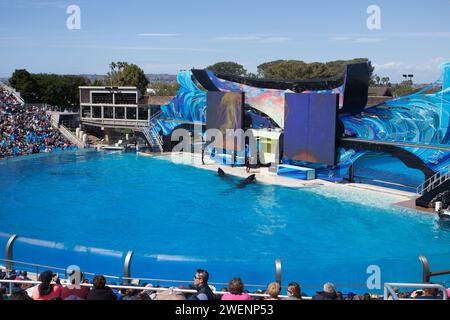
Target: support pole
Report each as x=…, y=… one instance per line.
x=127, y=267
x=9, y=252
x=278, y=270
x=425, y=269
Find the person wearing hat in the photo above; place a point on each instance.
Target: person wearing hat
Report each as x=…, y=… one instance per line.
x=46, y=290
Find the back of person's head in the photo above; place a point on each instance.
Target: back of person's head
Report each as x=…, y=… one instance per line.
x=236, y=286
x=329, y=288
x=45, y=288
x=433, y=292
x=203, y=275
x=294, y=290
x=99, y=282
x=273, y=290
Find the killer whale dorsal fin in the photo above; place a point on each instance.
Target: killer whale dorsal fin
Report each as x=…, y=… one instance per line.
x=221, y=172
x=250, y=179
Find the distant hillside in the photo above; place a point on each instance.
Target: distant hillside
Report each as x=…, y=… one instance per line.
x=167, y=78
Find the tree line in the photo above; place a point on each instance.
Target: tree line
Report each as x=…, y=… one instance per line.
x=62, y=90
x=289, y=69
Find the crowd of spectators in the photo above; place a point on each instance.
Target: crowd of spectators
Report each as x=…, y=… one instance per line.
x=51, y=288
x=26, y=130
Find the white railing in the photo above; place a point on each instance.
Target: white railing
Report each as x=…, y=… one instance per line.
x=12, y=92
x=67, y=133
x=71, y=137
x=120, y=287
x=389, y=289
x=435, y=181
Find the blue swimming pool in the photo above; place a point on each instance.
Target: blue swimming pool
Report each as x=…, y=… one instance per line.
x=90, y=208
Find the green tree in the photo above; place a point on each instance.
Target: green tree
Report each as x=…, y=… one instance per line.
x=229, y=68
x=164, y=89
x=300, y=70
x=124, y=74
x=97, y=83
x=60, y=90
x=23, y=82
x=403, y=90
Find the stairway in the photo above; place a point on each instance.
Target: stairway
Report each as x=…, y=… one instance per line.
x=151, y=134
x=438, y=185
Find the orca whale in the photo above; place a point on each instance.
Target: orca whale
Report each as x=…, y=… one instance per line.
x=221, y=173
x=246, y=181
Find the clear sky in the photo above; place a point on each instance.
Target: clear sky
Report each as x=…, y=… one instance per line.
x=165, y=36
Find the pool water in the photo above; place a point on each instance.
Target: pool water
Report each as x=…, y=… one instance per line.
x=90, y=208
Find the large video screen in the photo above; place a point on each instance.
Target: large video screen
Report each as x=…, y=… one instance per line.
x=225, y=110
x=310, y=127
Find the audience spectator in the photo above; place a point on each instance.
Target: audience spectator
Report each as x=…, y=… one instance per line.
x=71, y=291
x=236, y=291
x=273, y=290
x=328, y=293
x=100, y=290
x=294, y=291
x=204, y=292
x=18, y=292
x=46, y=290
x=426, y=294
x=26, y=129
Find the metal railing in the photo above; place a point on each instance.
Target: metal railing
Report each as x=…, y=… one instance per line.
x=151, y=133
x=67, y=133
x=427, y=274
x=435, y=181
x=390, y=292
x=122, y=287
x=71, y=137
x=114, y=123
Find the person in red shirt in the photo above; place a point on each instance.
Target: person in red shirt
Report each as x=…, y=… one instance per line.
x=46, y=290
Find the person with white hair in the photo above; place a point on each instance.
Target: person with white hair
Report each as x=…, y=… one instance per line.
x=328, y=293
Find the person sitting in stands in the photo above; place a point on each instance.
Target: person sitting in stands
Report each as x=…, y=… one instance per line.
x=18, y=292
x=273, y=290
x=236, y=291
x=426, y=294
x=74, y=292
x=46, y=290
x=294, y=291
x=100, y=290
x=328, y=293
x=24, y=276
x=204, y=292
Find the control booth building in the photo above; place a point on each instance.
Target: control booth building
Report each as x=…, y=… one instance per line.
x=113, y=107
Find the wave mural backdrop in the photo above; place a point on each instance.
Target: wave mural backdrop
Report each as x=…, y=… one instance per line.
x=418, y=118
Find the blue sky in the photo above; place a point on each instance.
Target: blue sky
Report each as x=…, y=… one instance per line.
x=166, y=36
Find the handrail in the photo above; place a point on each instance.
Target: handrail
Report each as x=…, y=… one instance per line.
x=12, y=92
x=440, y=177
x=150, y=133
x=389, y=289
x=70, y=136
x=427, y=274
x=67, y=133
